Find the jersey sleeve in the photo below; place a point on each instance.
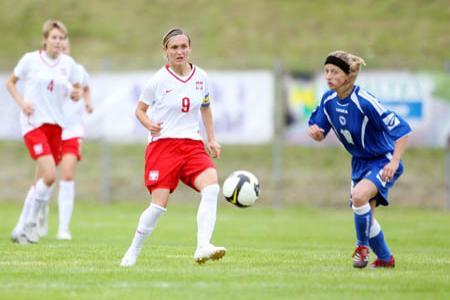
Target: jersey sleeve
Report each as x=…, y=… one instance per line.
x=84, y=76
x=319, y=118
x=148, y=94
x=206, y=99
x=75, y=74
x=22, y=68
x=386, y=120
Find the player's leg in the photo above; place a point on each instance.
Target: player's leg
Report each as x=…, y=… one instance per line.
x=360, y=196
x=25, y=211
x=378, y=244
x=146, y=225
x=42, y=191
x=207, y=184
x=66, y=195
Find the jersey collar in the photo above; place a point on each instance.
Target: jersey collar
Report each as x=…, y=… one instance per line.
x=178, y=77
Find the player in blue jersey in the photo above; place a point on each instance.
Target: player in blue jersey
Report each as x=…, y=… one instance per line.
x=375, y=137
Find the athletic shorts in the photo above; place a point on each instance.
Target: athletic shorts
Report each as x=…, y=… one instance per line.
x=72, y=146
x=169, y=160
x=372, y=170
x=44, y=140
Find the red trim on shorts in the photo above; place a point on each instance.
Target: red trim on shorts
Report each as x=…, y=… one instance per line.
x=72, y=146
x=177, y=77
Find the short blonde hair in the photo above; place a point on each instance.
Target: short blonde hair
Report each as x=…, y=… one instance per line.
x=174, y=32
x=354, y=62
x=51, y=24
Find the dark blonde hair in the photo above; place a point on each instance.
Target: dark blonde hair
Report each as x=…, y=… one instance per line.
x=174, y=32
x=51, y=24
x=354, y=62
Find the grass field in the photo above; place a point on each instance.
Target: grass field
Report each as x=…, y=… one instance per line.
x=290, y=253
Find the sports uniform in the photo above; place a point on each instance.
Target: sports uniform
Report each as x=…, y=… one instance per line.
x=48, y=83
x=178, y=152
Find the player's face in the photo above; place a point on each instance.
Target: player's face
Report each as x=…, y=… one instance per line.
x=334, y=76
x=178, y=50
x=54, y=42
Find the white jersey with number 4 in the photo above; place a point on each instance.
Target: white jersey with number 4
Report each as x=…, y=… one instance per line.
x=47, y=84
x=175, y=102
x=73, y=111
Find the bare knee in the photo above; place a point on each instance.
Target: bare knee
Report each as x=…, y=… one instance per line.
x=359, y=199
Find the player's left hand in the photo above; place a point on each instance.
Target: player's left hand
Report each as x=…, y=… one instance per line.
x=213, y=149
x=389, y=170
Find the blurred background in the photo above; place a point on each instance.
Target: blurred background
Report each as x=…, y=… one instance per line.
x=265, y=60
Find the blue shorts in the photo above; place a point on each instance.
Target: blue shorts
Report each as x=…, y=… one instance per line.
x=372, y=170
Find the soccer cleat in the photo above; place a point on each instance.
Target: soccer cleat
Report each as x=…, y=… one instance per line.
x=63, y=235
x=28, y=235
x=360, y=257
x=378, y=263
x=130, y=257
x=202, y=254
x=42, y=224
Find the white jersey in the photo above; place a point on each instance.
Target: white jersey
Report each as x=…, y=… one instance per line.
x=73, y=111
x=47, y=84
x=175, y=102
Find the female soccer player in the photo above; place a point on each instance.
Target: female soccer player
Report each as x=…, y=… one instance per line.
x=72, y=137
x=170, y=106
x=375, y=137
x=50, y=78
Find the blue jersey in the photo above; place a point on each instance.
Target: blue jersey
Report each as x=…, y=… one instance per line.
x=365, y=128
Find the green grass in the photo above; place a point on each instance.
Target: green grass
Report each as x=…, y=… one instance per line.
x=121, y=34
x=290, y=253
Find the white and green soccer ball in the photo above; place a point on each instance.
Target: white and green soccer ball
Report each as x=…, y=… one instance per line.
x=241, y=188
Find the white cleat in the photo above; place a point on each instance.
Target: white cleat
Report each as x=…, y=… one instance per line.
x=28, y=235
x=130, y=257
x=207, y=252
x=63, y=235
x=42, y=224
x=17, y=237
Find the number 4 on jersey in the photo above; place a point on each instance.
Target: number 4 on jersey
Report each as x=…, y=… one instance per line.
x=50, y=86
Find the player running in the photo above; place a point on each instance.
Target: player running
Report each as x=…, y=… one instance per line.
x=375, y=137
x=50, y=78
x=170, y=107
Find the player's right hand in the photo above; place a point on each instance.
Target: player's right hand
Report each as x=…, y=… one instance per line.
x=155, y=128
x=27, y=108
x=316, y=133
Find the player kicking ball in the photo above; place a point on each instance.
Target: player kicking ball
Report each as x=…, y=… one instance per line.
x=375, y=137
x=169, y=108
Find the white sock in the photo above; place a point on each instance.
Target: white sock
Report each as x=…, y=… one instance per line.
x=25, y=210
x=206, y=215
x=66, y=197
x=41, y=195
x=147, y=222
x=374, y=229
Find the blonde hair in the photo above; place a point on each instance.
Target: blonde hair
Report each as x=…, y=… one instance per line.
x=354, y=62
x=49, y=25
x=174, y=32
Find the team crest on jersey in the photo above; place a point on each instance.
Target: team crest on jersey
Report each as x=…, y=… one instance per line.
x=38, y=149
x=153, y=175
x=342, y=120
x=199, y=85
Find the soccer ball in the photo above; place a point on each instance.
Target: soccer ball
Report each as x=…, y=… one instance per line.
x=241, y=188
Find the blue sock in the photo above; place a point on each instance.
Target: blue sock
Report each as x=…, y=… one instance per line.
x=363, y=221
x=380, y=247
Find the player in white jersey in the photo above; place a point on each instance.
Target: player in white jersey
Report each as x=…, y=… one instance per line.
x=72, y=138
x=170, y=108
x=50, y=78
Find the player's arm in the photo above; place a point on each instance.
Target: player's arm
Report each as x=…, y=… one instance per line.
x=141, y=115
x=390, y=169
x=25, y=106
x=318, y=124
x=87, y=99
x=212, y=146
